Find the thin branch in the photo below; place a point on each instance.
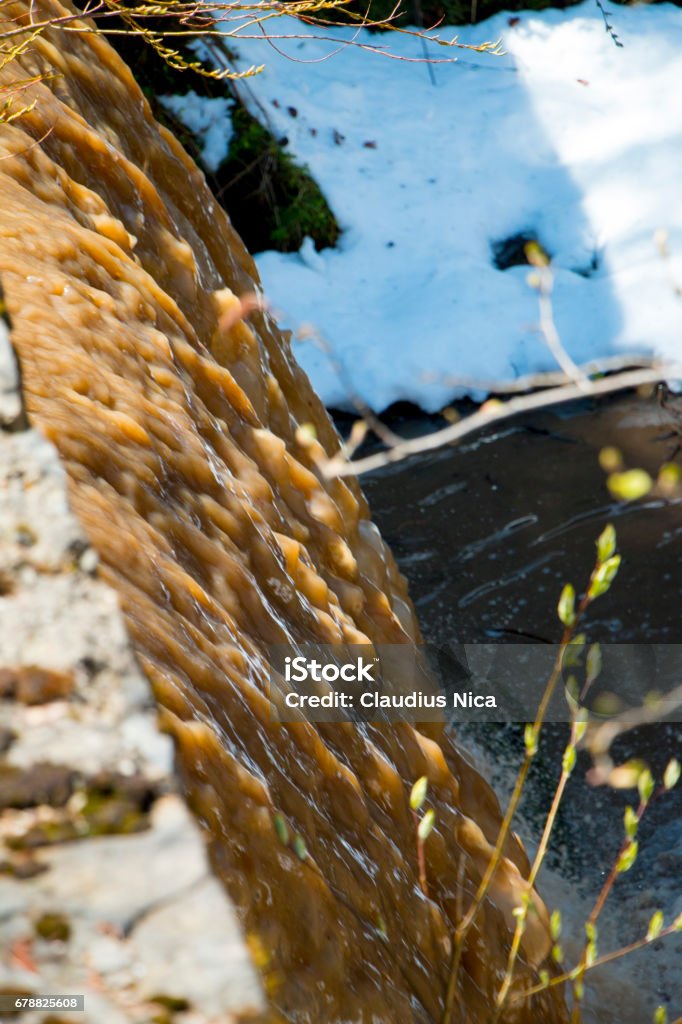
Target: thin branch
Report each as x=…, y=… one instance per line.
x=464, y=926
x=549, y=331
x=377, y=426
x=548, y=379
x=495, y=412
x=606, y=958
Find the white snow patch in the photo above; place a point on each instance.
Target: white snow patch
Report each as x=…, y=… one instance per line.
x=209, y=119
x=567, y=136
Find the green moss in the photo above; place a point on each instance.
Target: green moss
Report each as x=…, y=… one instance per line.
x=174, y=1004
x=112, y=804
x=45, y=833
x=117, y=804
x=53, y=927
x=273, y=202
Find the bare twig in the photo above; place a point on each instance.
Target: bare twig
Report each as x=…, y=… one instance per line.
x=465, y=924
x=548, y=379
x=234, y=20
x=544, y=283
x=608, y=26
x=494, y=412
x=606, y=958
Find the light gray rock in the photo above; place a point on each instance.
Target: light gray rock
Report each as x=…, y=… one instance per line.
x=97, y=894
x=204, y=919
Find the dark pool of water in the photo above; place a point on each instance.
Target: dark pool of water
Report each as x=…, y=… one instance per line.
x=487, y=533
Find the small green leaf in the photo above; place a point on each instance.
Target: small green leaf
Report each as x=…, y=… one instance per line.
x=645, y=785
x=606, y=543
x=655, y=926
x=535, y=254
x=661, y=1015
x=580, y=725
x=593, y=663
x=579, y=988
x=555, y=924
x=603, y=577
x=544, y=977
x=426, y=825
x=568, y=762
x=630, y=484
x=282, y=829
x=671, y=776
x=610, y=460
x=572, y=691
x=574, y=650
x=299, y=847
x=566, y=606
x=627, y=857
x=557, y=953
x=669, y=478
x=530, y=738
x=418, y=794
x=677, y=924
x=631, y=822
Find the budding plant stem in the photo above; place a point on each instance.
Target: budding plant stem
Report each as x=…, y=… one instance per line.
x=421, y=860
x=604, y=571
x=599, y=961
x=467, y=921
x=601, y=900
x=535, y=869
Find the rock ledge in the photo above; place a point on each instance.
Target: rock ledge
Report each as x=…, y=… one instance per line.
x=105, y=885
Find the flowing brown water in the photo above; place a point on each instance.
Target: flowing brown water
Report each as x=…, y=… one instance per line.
x=177, y=424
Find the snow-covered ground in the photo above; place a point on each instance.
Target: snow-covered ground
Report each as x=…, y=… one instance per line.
x=566, y=136
x=209, y=120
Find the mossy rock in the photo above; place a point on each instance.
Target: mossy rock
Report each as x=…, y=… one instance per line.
x=118, y=804
x=273, y=202
x=110, y=804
